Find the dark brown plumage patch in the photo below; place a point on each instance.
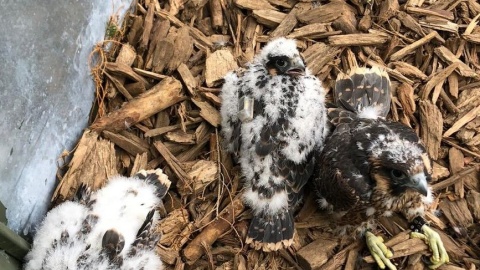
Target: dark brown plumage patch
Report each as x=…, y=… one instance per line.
x=271, y=233
x=83, y=194
x=147, y=237
x=112, y=244
x=88, y=224
x=157, y=178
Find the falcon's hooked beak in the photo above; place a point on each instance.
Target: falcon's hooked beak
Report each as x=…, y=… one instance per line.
x=419, y=183
x=297, y=68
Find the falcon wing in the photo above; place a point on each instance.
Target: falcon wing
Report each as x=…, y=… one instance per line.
x=296, y=175
x=333, y=187
x=337, y=178
x=229, y=111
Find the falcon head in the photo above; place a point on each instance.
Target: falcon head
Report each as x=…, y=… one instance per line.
x=281, y=57
x=397, y=161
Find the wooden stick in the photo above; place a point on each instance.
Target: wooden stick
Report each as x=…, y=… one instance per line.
x=450, y=181
x=217, y=15
x=286, y=26
x=126, y=71
x=147, y=28
x=439, y=77
x=449, y=105
x=462, y=121
x=150, y=74
x=120, y=87
x=410, y=48
x=446, y=55
x=357, y=39
x=162, y=130
x=173, y=162
x=465, y=150
x=425, y=12
x=194, y=250
x=161, y=96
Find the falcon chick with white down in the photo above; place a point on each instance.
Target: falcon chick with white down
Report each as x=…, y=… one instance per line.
x=113, y=228
x=273, y=118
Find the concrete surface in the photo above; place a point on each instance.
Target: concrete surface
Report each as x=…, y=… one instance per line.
x=45, y=95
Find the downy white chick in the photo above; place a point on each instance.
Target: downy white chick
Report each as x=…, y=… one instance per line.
x=112, y=228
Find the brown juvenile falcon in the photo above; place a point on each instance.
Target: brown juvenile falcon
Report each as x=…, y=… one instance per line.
x=372, y=167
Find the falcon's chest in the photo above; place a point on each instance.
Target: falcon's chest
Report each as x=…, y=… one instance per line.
x=409, y=203
x=274, y=96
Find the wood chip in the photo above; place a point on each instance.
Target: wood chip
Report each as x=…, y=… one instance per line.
x=126, y=71
x=173, y=162
x=455, y=158
x=447, y=56
x=432, y=126
x=187, y=78
x=473, y=200
x=182, y=49
x=139, y=164
x=208, y=112
x=286, y=25
x=318, y=55
x=412, y=47
x=409, y=70
x=462, y=121
x=133, y=146
x=438, y=78
x=93, y=162
x=254, y=4
x=325, y=13
x=315, y=254
x=457, y=214
x=450, y=181
x=162, y=130
x=313, y=30
x=357, y=39
x=218, y=64
x=268, y=17
x=202, y=173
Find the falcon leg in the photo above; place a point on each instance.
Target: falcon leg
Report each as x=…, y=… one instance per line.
x=379, y=251
x=433, y=240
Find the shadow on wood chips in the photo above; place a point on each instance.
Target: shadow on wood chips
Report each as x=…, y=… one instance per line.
x=158, y=79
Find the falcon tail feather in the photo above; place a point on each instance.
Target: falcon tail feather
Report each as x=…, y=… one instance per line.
x=271, y=233
x=364, y=93
x=157, y=178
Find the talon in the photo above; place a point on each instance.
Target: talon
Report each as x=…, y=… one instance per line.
x=433, y=240
x=379, y=251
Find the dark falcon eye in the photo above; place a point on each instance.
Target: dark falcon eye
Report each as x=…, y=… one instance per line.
x=281, y=63
x=397, y=174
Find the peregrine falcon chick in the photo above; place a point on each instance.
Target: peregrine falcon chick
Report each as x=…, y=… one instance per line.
x=273, y=118
x=112, y=228
x=373, y=167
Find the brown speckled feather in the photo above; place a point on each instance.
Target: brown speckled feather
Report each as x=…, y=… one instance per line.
x=370, y=167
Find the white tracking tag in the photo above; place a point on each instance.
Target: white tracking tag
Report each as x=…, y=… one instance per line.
x=245, y=109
